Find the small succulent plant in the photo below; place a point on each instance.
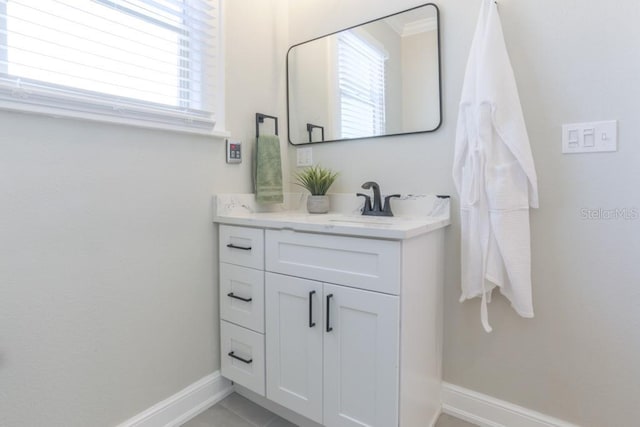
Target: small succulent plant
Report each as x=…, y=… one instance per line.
x=316, y=179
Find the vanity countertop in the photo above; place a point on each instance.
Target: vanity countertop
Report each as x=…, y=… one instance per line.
x=414, y=215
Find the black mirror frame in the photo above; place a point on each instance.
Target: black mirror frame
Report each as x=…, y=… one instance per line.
x=440, y=109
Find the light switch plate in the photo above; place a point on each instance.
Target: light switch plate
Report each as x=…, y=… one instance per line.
x=590, y=137
x=304, y=156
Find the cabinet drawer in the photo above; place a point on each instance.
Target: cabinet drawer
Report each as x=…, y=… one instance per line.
x=242, y=296
x=242, y=356
x=357, y=262
x=242, y=246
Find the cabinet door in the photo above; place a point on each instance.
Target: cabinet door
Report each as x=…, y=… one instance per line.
x=294, y=343
x=360, y=358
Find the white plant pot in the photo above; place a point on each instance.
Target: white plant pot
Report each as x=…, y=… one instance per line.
x=318, y=204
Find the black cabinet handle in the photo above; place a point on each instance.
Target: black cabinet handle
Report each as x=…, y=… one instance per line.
x=329, y=328
x=244, y=248
x=230, y=294
x=231, y=354
x=311, y=322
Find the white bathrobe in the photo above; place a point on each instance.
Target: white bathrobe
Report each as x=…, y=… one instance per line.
x=494, y=174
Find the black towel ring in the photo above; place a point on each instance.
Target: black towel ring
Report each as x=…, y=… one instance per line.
x=260, y=119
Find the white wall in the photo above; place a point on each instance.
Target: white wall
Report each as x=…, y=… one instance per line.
x=108, y=297
x=574, y=60
x=257, y=43
x=106, y=268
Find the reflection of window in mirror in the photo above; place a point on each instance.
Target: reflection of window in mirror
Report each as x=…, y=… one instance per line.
x=361, y=85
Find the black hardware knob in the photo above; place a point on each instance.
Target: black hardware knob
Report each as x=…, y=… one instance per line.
x=367, y=202
x=387, y=204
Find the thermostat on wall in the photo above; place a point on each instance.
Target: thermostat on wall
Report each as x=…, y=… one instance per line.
x=234, y=151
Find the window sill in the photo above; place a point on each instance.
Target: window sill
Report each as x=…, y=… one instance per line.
x=79, y=110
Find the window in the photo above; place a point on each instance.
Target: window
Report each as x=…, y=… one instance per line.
x=138, y=61
x=361, y=86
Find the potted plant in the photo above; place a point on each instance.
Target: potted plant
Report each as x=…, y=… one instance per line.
x=317, y=180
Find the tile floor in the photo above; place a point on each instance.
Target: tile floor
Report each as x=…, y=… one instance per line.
x=236, y=411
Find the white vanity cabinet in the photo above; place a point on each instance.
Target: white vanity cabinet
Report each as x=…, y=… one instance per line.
x=242, y=306
x=352, y=331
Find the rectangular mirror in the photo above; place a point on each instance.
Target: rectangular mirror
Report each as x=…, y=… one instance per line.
x=380, y=78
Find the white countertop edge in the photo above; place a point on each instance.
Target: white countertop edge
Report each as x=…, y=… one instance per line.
x=416, y=228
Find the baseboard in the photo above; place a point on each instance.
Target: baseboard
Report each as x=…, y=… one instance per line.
x=487, y=411
x=185, y=404
x=435, y=418
x=468, y=405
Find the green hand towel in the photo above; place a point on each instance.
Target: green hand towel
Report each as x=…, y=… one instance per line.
x=268, y=170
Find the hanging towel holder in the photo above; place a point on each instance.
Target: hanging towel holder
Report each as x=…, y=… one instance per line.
x=260, y=119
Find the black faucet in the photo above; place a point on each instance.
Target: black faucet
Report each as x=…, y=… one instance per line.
x=376, y=209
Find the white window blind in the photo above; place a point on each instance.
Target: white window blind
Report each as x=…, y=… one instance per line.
x=361, y=82
x=151, y=62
